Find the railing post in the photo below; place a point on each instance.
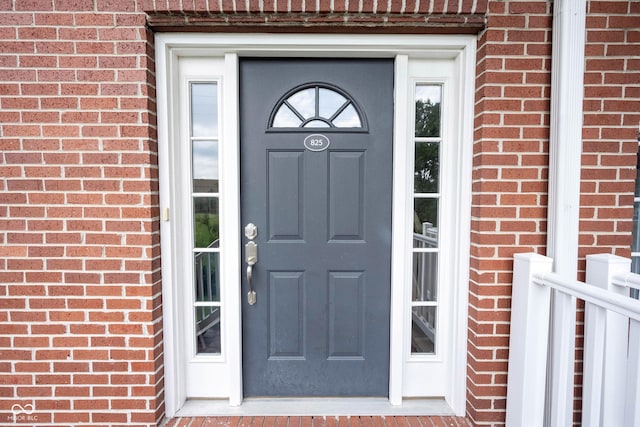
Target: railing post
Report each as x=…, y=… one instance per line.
x=528, y=341
x=608, y=368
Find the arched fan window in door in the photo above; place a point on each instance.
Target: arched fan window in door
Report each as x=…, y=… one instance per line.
x=317, y=105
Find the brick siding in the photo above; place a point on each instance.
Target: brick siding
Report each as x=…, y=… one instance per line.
x=509, y=185
x=611, y=120
x=510, y=166
x=319, y=15
x=80, y=285
x=80, y=331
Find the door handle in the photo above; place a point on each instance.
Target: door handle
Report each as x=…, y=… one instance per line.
x=251, y=257
x=251, y=295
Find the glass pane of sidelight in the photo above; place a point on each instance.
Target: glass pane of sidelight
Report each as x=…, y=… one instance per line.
x=204, y=109
x=205, y=166
x=425, y=223
x=205, y=223
x=637, y=190
x=423, y=330
x=635, y=242
x=428, y=100
x=426, y=167
x=208, y=330
x=207, y=276
x=425, y=276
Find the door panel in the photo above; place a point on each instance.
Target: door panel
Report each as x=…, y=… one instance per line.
x=284, y=195
x=346, y=314
x=320, y=326
x=346, y=195
x=286, y=314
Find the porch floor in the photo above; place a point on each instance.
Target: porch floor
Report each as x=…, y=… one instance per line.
x=321, y=421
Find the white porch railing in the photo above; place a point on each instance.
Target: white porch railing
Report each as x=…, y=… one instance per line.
x=611, y=377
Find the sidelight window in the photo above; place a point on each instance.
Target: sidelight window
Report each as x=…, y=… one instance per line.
x=204, y=140
x=426, y=206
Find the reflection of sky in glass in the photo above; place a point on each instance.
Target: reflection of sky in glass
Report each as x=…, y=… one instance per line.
x=205, y=160
x=348, y=118
x=285, y=118
x=305, y=102
x=317, y=124
x=329, y=102
x=204, y=109
x=432, y=93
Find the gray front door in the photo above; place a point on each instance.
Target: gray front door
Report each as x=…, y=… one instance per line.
x=316, y=175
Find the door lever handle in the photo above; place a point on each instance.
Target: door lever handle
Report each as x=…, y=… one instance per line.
x=251, y=295
x=251, y=257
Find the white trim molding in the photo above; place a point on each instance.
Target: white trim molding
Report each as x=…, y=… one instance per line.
x=565, y=142
x=565, y=155
x=457, y=52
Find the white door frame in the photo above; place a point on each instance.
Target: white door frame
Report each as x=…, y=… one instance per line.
x=460, y=49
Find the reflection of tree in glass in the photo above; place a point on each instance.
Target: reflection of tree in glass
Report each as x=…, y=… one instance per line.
x=206, y=229
x=427, y=167
x=427, y=118
x=425, y=210
x=427, y=162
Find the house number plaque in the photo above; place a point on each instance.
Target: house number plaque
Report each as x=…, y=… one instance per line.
x=316, y=142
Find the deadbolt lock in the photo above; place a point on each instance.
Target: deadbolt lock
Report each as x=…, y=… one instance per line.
x=251, y=231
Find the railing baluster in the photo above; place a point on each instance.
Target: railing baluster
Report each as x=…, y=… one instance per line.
x=562, y=360
x=200, y=281
x=611, y=383
x=601, y=269
x=594, y=328
x=632, y=403
x=209, y=285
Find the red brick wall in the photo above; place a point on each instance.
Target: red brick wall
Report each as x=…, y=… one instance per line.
x=611, y=120
x=80, y=331
x=410, y=16
x=510, y=165
x=80, y=285
x=509, y=185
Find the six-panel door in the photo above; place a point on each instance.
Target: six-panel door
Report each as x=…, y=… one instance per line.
x=316, y=177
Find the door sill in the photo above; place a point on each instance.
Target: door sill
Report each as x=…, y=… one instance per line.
x=315, y=407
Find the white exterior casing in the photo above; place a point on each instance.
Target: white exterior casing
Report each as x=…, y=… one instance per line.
x=449, y=60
